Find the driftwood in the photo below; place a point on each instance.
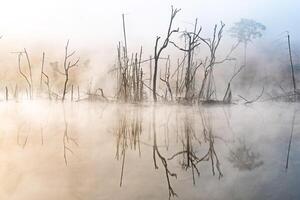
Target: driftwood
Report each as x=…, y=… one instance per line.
x=253, y=100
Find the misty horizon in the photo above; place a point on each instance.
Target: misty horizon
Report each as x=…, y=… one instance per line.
x=137, y=99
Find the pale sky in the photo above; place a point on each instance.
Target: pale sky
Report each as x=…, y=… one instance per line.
x=96, y=24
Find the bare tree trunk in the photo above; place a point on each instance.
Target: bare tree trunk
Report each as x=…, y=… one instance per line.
x=292, y=65
x=67, y=66
x=124, y=32
x=30, y=75
x=155, y=72
x=42, y=70
x=157, y=52
x=6, y=93
x=65, y=86
x=21, y=72
x=150, y=79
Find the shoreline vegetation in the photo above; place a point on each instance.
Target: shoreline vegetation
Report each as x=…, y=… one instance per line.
x=191, y=81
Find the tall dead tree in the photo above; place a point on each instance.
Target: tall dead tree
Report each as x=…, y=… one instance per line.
x=123, y=71
x=44, y=77
x=207, y=87
x=30, y=74
x=179, y=72
x=67, y=66
x=292, y=65
x=158, y=50
x=23, y=74
x=129, y=72
x=192, y=41
x=228, y=94
x=42, y=70
x=166, y=78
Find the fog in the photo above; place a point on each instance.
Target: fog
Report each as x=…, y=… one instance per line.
x=136, y=99
x=94, y=29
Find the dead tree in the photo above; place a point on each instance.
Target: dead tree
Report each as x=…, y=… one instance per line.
x=42, y=70
x=28, y=79
x=292, y=65
x=253, y=100
x=129, y=72
x=129, y=76
x=122, y=67
x=67, y=66
x=44, y=77
x=179, y=77
x=158, y=50
x=192, y=42
x=228, y=94
x=207, y=87
x=30, y=74
x=166, y=78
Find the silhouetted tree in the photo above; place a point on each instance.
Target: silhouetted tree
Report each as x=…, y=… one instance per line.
x=193, y=41
x=208, y=88
x=67, y=66
x=28, y=77
x=158, y=50
x=245, y=31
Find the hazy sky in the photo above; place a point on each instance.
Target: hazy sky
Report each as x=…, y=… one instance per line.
x=96, y=24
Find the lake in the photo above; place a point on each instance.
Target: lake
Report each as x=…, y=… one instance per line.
x=92, y=151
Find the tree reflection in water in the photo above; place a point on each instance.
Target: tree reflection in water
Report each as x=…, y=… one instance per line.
x=162, y=158
x=191, y=143
x=197, y=142
x=243, y=158
x=129, y=129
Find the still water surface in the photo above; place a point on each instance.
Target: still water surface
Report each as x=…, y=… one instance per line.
x=95, y=151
